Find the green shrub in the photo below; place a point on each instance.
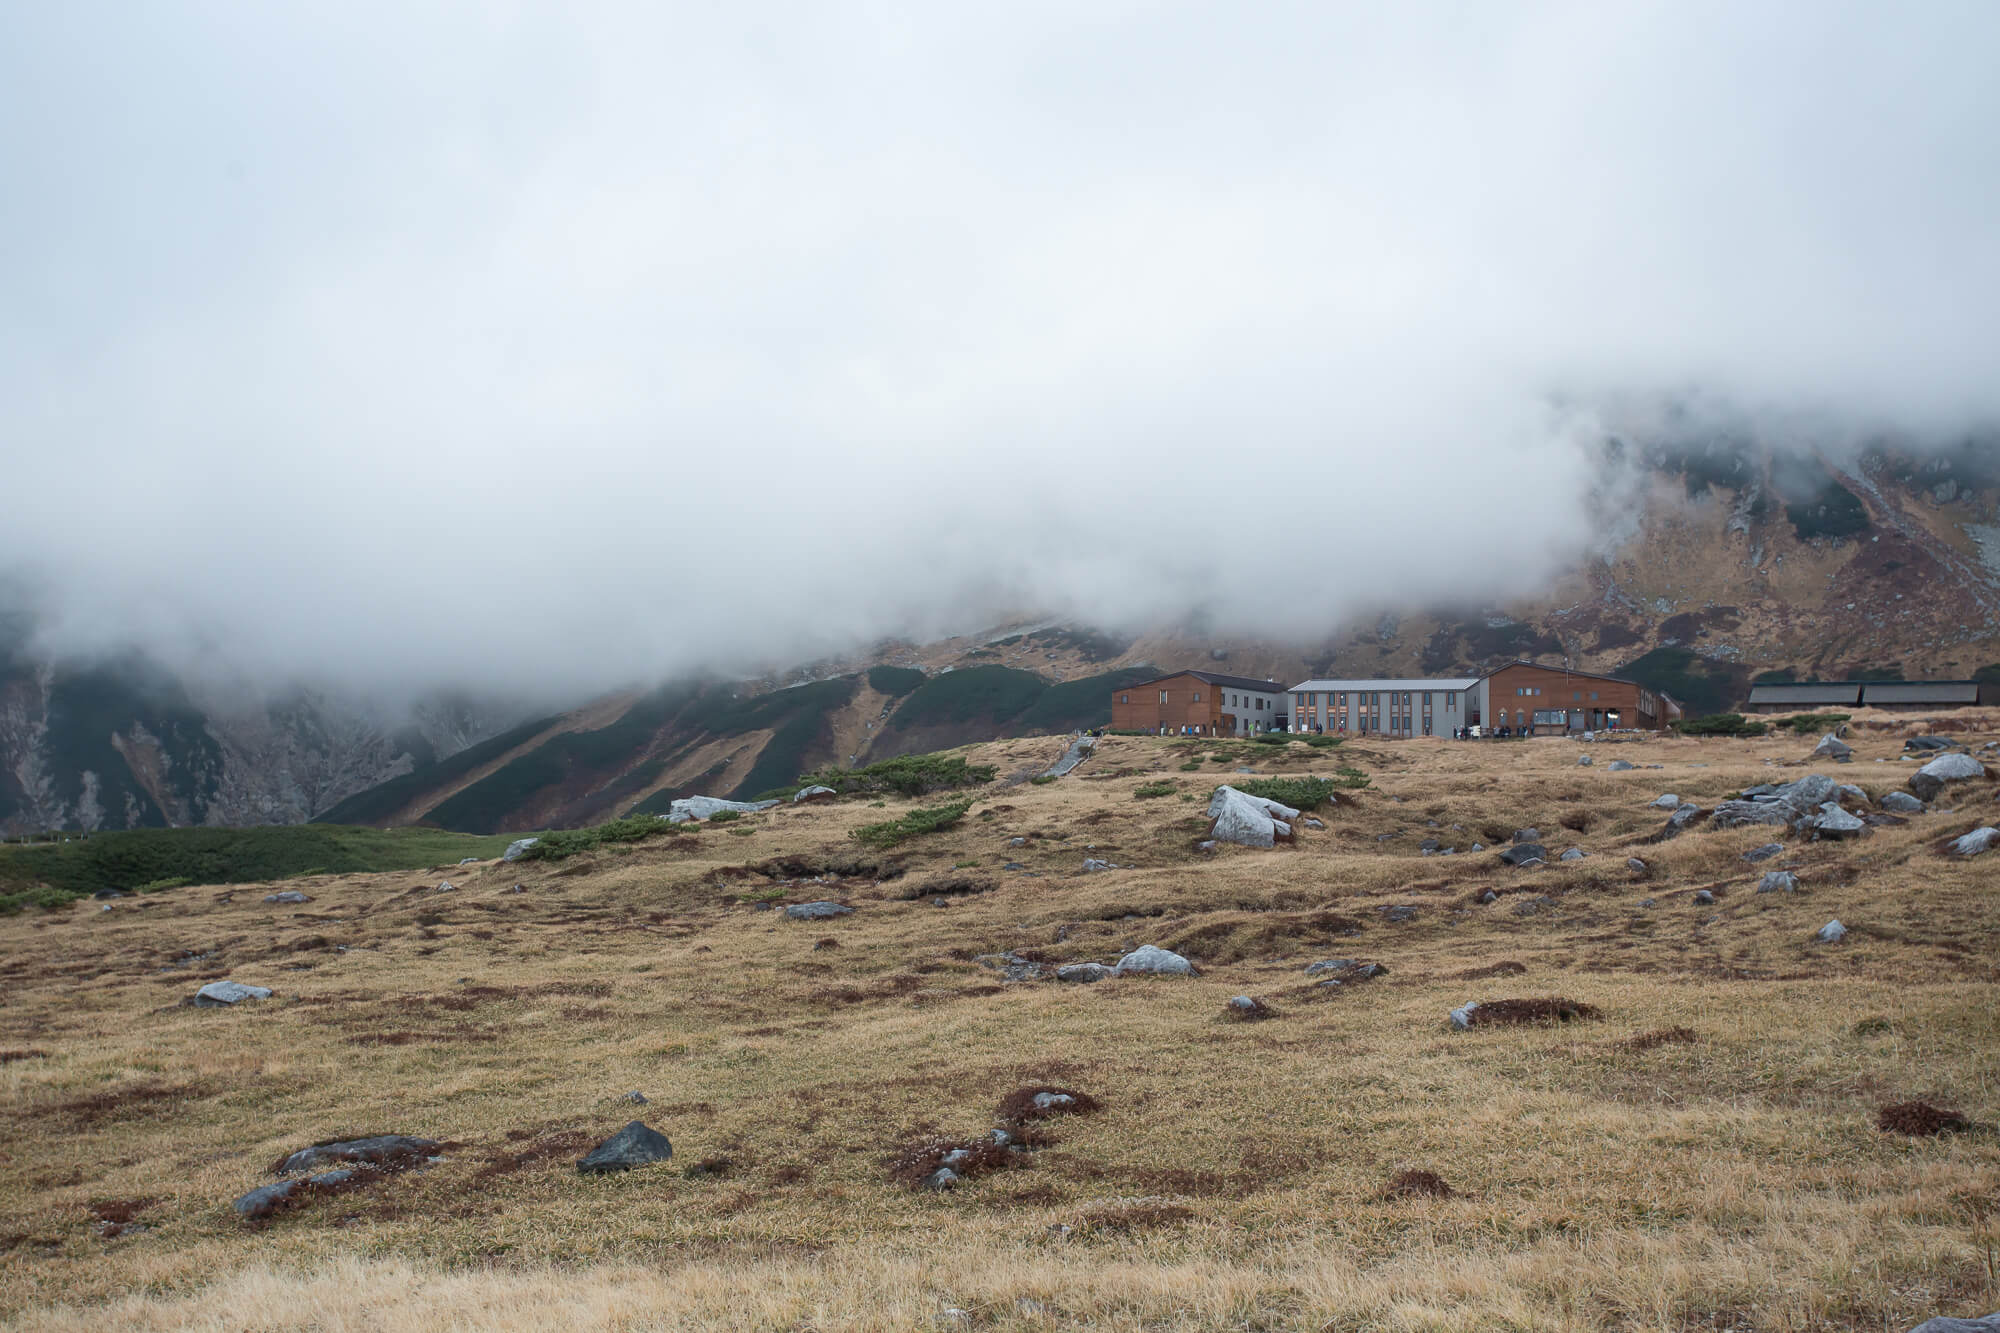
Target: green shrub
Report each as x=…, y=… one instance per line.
x=894, y=681
x=1303, y=793
x=1151, y=789
x=568, y=842
x=1322, y=742
x=1192, y=765
x=906, y=775
x=1804, y=724
x=40, y=895
x=725, y=816
x=1273, y=738
x=1721, y=724
x=892, y=832
x=1042, y=779
x=162, y=885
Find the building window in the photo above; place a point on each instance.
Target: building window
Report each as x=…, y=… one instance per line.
x=1163, y=696
x=1197, y=696
x=1593, y=695
x=1124, y=698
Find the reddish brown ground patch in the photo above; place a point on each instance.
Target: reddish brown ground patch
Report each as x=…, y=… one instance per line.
x=563, y=1144
x=1018, y=1106
x=828, y=943
x=1673, y=1036
x=9, y=1057
x=115, y=1216
x=1545, y=1009
x=1508, y=968
x=1919, y=1118
x=917, y=1159
x=1417, y=1184
x=1134, y=1215
x=119, y=1104
x=1256, y=1012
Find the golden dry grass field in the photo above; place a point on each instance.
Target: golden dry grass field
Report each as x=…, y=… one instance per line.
x=1236, y=1174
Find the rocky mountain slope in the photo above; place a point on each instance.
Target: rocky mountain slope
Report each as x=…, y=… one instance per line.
x=1717, y=561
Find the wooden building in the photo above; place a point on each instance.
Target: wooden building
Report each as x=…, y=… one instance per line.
x=1553, y=700
x=1199, y=703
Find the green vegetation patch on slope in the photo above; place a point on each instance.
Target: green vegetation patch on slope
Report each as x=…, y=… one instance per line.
x=798, y=718
x=894, y=681
x=1304, y=793
x=1078, y=705
x=1701, y=684
x=568, y=842
x=1721, y=724
x=56, y=872
x=384, y=799
x=1834, y=512
x=906, y=775
x=892, y=832
x=994, y=694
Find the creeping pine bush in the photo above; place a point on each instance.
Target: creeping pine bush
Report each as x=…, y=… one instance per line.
x=907, y=775
x=1147, y=789
x=1273, y=738
x=568, y=842
x=1805, y=724
x=1322, y=742
x=891, y=832
x=1721, y=724
x=1302, y=793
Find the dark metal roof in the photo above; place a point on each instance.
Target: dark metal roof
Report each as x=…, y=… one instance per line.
x=1920, y=692
x=1224, y=682
x=1808, y=692
x=1567, y=671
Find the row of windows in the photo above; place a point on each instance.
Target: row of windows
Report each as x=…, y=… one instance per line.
x=1236, y=700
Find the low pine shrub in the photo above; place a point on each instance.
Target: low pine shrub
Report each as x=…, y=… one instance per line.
x=892, y=832
x=1150, y=789
x=1721, y=724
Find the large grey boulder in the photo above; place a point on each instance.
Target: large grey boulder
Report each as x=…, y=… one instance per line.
x=689, y=809
x=1249, y=821
x=518, y=848
x=1786, y=804
x=1620, y=766
x=1933, y=777
x=1929, y=744
x=1976, y=843
x=1832, y=747
x=1668, y=801
x=389, y=1151
x=1947, y=1324
x=221, y=994
x=820, y=911
x=814, y=793
x=1902, y=803
x=634, y=1145
x=1150, y=958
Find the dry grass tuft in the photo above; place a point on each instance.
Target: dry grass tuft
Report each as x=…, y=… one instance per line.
x=1504, y=968
x=1019, y=1106
x=1547, y=1009
x=1256, y=1012
x=1415, y=1184
x=1919, y=1119
x=1139, y=1214
x=1673, y=1036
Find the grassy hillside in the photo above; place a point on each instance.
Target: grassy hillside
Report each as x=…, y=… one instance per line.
x=43, y=874
x=1695, y=1148
x=1077, y=705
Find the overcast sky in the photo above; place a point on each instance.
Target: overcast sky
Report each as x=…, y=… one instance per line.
x=562, y=344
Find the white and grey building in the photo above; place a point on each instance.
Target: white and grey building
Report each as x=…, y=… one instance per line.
x=1385, y=707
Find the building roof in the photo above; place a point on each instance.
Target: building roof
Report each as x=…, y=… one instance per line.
x=1455, y=683
x=1809, y=692
x=1567, y=671
x=1209, y=677
x=1919, y=692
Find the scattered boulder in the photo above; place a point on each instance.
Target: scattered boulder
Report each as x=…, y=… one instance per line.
x=1684, y=817
x=518, y=848
x=1835, y=823
x=1249, y=821
x=1084, y=973
x=388, y=1152
x=1832, y=747
x=1526, y=854
x=1850, y=792
x=1764, y=853
x=1092, y=865
x=1946, y=1324
x=1011, y=966
x=1929, y=744
x=636, y=1098
x=1153, y=959
x=445, y=886
x=1461, y=1017
x=1832, y=932
x=1779, y=881
x=1583, y=761
x=1976, y=843
x=1669, y=801
x=221, y=994
x=690, y=809
x=1902, y=803
x=1780, y=804
x=1526, y=835
x=468, y=860
x=265, y=1200
x=819, y=911
x=1704, y=897
x=944, y=1178
x=634, y=1145
x=288, y=896
x=813, y=793
x=1933, y=777
x=1573, y=854
x=1633, y=863
x=1620, y=766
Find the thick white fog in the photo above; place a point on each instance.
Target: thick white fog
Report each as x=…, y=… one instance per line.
x=538, y=346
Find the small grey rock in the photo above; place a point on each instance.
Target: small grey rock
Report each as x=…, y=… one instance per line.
x=1832, y=747
x=1242, y=1004
x=1573, y=854
x=1778, y=881
x=1523, y=854
x=943, y=1178
x=385, y=1150
x=468, y=861
x=1526, y=835
x=288, y=896
x=1646, y=902
x=1489, y=897
x=635, y=1145
x=1583, y=761
x=1947, y=1324
x=1326, y=965
x=1976, y=843
x=1461, y=1017
x=220, y=994
x=1832, y=933
x=1620, y=766
x=637, y=1098
x=518, y=848
x=1091, y=865
x=819, y=911
x=1633, y=863
x=1764, y=853
x=1704, y=897
x=1902, y=803
x=1153, y=959
x=1084, y=973
x=1668, y=801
